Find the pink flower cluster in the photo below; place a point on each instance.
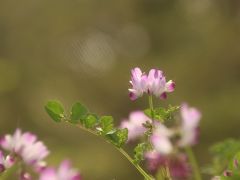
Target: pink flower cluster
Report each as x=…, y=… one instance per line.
x=165, y=140
x=24, y=148
x=161, y=137
x=154, y=83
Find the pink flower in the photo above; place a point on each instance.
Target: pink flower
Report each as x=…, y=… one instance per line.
x=155, y=83
x=5, y=163
x=135, y=124
x=160, y=139
x=190, y=122
x=26, y=146
x=25, y=176
x=138, y=82
x=64, y=172
x=177, y=164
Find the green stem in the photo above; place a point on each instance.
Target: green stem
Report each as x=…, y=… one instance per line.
x=123, y=152
x=146, y=176
x=193, y=163
x=150, y=101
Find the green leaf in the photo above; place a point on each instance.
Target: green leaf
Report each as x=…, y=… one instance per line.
x=122, y=136
x=162, y=114
x=139, y=151
x=118, y=136
x=106, y=123
x=78, y=112
x=90, y=121
x=165, y=114
x=55, y=110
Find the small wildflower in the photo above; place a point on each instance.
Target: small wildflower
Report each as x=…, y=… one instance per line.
x=160, y=139
x=26, y=146
x=64, y=172
x=154, y=83
x=157, y=85
x=190, y=122
x=135, y=124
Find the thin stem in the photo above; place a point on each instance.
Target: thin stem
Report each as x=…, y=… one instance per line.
x=193, y=163
x=123, y=152
x=146, y=176
x=150, y=101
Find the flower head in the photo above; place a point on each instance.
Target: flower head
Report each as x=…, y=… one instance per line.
x=26, y=146
x=64, y=172
x=160, y=139
x=154, y=83
x=135, y=124
x=157, y=85
x=190, y=122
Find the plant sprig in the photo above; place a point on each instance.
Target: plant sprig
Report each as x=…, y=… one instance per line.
x=100, y=126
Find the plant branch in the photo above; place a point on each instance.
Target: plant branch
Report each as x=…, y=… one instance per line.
x=150, y=101
x=122, y=151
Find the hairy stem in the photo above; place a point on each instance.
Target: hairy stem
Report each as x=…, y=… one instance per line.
x=193, y=162
x=123, y=152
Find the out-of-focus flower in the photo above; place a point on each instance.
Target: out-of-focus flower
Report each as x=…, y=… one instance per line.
x=64, y=172
x=25, y=176
x=157, y=85
x=135, y=124
x=160, y=139
x=5, y=163
x=177, y=164
x=227, y=173
x=26, y=146
x=154, y=83
x=138, y=82
x=190, y=123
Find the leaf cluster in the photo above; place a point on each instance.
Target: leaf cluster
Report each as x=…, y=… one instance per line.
x=139, y=152
x=80, y=115
x=162, y=114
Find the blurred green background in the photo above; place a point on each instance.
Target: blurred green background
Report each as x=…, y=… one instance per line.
x=84, y=50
